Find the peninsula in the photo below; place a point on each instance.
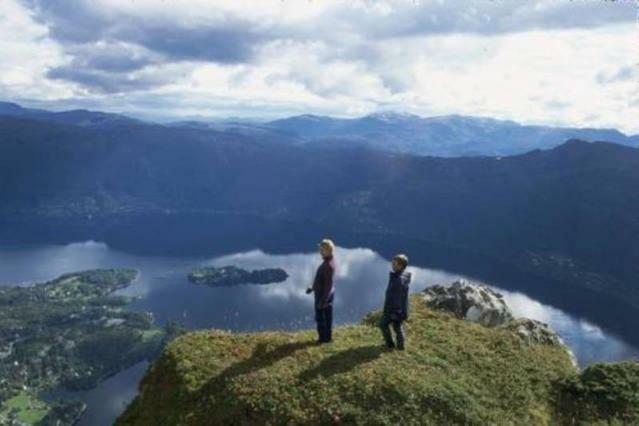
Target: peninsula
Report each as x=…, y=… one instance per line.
x=71, y=332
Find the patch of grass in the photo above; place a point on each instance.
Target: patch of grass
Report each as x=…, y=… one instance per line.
x=602, y=393
x=26, y=408
x=152, y=334
x=453, y=371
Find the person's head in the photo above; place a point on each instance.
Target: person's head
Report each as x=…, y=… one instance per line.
x=326, y=248
x=399, y=262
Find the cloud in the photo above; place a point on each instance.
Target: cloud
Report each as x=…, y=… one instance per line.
x=273, y=58
x=555, y=104
x=112, y=82
x=105, y=40
x=233, y=32
x=27, y=52
x=393, y=19
x=224, y=38
x=622, y=74
x=112, y=56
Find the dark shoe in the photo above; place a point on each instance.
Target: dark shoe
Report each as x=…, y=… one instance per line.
x=401, y=348
x=389, y=345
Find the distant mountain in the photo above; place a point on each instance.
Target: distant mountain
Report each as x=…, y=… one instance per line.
x=78, y=117
x=569, y=212
x=444, y=136
x=13, y=109
x=243, y=128
x=310, y=126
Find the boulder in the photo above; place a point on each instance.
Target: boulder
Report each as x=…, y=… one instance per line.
x=533, y=332
x=470, y=301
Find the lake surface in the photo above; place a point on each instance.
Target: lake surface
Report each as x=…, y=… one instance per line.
x=362, y=274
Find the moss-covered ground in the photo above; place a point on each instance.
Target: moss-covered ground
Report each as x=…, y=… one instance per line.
x=452, y=371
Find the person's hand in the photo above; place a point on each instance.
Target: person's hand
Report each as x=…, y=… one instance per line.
x=309, y=290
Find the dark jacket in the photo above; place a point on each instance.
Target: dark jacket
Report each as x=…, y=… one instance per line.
x=396, y=302
x=323, y=283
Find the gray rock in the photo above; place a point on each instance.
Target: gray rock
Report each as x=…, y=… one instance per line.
x=481, y=304
x=470, y=301
x=533, y=332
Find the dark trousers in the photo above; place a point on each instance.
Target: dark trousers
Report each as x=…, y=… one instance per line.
x=384, y=323
x=324, y=319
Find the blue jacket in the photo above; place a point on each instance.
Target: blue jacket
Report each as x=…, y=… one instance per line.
x=396, y=302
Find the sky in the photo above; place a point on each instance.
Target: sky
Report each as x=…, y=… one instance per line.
x=553, y=62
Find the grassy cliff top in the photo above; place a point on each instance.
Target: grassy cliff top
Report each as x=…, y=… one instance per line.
x=453, y=371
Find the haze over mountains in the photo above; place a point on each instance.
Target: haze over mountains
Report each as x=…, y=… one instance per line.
x=441, y=136
x=568, y=212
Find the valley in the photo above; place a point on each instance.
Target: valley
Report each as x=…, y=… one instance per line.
x=71, y=332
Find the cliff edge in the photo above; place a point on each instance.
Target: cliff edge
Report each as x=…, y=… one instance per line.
x=453, y=371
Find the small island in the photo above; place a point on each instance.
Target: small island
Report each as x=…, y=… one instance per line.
x=227, y=276
x=71, y=332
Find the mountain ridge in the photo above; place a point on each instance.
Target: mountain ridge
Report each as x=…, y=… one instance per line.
x=450, y=135
x=566, y=213
x=78, y=117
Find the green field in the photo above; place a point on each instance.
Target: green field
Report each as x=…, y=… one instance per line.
x=26, y=408
x=151, y=334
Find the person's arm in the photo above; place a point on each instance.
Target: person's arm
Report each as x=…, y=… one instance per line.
x=405, y=291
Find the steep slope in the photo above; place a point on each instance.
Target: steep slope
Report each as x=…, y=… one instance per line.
x=569, y=212
x=452, y=371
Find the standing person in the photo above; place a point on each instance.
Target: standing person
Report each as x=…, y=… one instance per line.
x=324, y=292
x=396, y=302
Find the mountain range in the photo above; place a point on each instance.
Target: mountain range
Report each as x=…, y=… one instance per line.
x=441, y=136
x=569, y=213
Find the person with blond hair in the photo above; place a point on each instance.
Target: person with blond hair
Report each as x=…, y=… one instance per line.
x=396, y=303
x=324, y=292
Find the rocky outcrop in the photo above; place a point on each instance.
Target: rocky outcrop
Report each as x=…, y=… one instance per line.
x=481, y=304
x=469, y=301
x=533, y=332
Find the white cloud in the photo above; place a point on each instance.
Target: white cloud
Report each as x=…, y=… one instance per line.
x=561, y=63
x=26, y=54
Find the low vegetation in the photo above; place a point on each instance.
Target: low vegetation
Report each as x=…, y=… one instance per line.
x=453, y=372
x=71, y=332
x=602, y=394
x=24, y=408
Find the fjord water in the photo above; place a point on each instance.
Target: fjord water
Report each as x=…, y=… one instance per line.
x=163, y=289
